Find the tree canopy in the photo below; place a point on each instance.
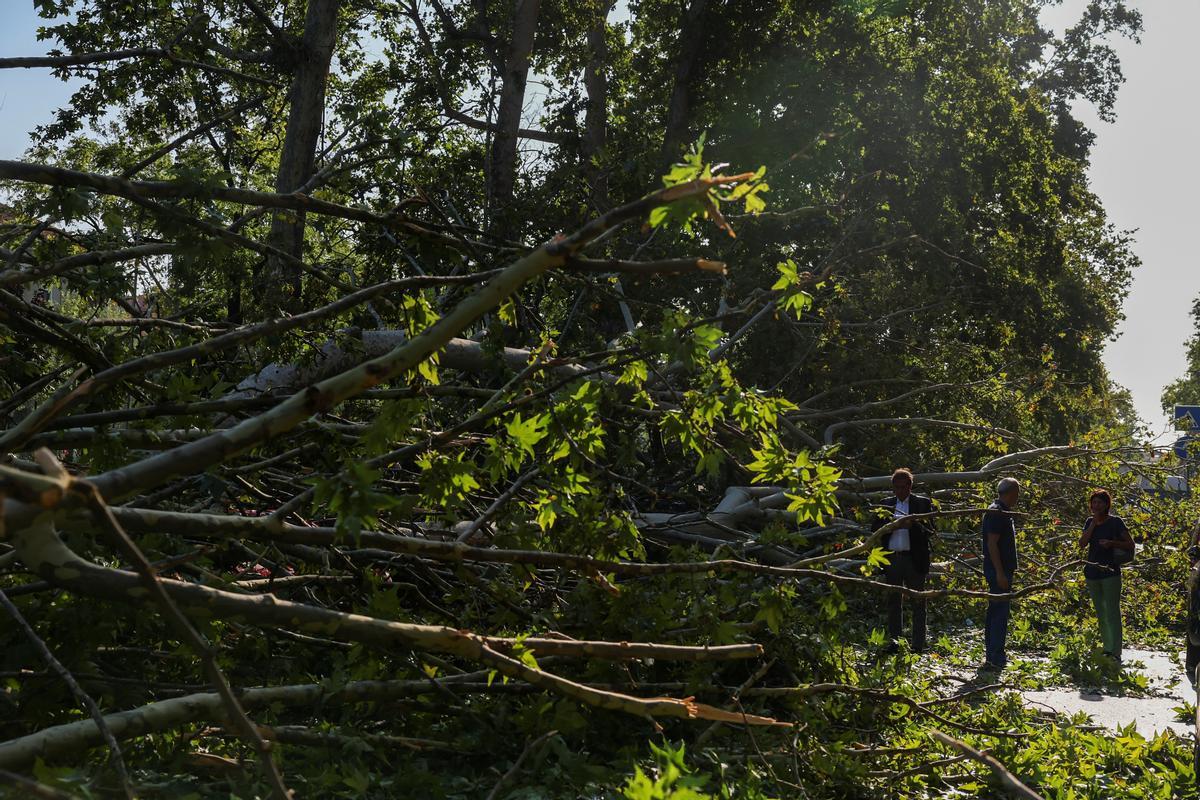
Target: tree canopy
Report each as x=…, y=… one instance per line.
x=463, y=399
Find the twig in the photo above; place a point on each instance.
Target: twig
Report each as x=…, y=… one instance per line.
x=812, y=689
x=65, y=397
x=529, y=368
x=82, y=696
x=737, y=694
x=311, y=737
x=668, y=266
x=270, y=529
x=1007, y=779
x=194, y=638
x=32, y=788
x=920, y=769
x=530, y=749
x=129, y=172
x=498, y=503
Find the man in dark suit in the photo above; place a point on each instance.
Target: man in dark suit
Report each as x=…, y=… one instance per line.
x=908, y=563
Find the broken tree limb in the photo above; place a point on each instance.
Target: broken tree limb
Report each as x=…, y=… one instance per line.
x=85, y=699
x=43, y=414
x=332, y=391
x=62, y=740
x=148, y=577
x=44, y=553
x=1009, y=781
x=831, y=431
x=271, y=529
x=59, y=741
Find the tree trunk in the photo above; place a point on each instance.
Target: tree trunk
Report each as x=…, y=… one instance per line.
x=595, y=81
x=307, y=109
x=503, y=174
x=691, y=37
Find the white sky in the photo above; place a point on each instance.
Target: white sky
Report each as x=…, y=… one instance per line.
x=1145, y=170
x=1143, y=167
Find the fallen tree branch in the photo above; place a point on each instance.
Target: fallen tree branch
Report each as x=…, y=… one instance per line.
x=85, y=699
x=44, y=553
x=196, y=641
x=59, y=741
x=493, y=509
x=37, y=419
x=668, y=267
x=533, y=747
x=14, y=277
x=331, y=392
x=32, y=788
x=271, y=529
x=1010, y=782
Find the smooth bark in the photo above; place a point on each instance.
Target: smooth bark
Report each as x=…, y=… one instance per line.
x=691, y=37
x=305, y=121
x=502, y=174
x=595, y=82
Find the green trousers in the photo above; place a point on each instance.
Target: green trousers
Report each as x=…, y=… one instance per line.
x=1106, y=598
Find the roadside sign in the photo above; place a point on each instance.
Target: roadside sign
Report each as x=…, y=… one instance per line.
x=1181, y=446
x=1191, y=413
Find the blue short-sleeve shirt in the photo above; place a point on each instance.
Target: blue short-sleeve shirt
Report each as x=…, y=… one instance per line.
x=1004, y=525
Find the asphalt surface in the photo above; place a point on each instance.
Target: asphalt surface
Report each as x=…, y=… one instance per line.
x=1151, y=714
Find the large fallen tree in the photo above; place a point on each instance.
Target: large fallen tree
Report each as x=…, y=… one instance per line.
x=354, y=445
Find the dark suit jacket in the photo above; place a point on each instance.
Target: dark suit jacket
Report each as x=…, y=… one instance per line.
x=918, y=532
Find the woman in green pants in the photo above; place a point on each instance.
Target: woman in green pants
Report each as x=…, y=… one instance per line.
x=1102, y=533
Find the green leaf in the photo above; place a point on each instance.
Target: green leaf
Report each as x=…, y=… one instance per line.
x=878, y=558
x=526, y=433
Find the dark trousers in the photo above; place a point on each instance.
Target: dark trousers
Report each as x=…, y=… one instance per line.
x=995, y=623
x=901, y=572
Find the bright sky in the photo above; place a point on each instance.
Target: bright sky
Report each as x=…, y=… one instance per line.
x=1143, y=168
x=28, y=97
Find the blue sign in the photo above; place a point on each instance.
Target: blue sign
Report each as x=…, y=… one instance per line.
x=1191, y=413
x=1181, y=446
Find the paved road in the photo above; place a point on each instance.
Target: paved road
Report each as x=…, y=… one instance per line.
x=1152, y=714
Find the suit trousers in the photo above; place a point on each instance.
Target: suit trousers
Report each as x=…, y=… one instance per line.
x=902, y=572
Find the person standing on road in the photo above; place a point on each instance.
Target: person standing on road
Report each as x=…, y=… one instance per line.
x=908, y=563
x=999, y=566
x=1103, y=536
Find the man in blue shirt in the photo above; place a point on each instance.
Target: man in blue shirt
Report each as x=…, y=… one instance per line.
x=999, y=564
